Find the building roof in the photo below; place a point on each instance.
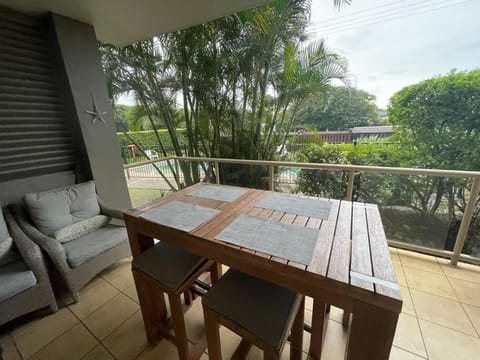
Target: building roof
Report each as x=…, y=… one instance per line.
x=373, y=129
x=122, y=22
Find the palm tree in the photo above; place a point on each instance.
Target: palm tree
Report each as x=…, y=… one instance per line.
x=241, y=80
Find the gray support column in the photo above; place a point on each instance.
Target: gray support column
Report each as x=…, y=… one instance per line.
x=82, y=64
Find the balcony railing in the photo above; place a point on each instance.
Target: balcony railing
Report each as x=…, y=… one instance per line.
x=169, y=170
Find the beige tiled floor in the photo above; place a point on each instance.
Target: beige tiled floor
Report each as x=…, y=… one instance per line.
x=440, y=320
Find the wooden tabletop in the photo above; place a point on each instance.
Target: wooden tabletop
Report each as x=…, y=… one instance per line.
x=351, y=260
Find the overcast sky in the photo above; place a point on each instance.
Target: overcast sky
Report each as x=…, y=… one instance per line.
x=393, y=43
x=389, y=55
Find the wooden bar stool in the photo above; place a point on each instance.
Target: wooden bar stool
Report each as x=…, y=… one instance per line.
x=262, y=313
x=165, y=269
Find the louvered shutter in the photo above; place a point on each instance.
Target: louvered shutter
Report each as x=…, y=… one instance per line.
x=34, y=136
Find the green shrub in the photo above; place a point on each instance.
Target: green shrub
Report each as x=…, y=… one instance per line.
x=325, y=183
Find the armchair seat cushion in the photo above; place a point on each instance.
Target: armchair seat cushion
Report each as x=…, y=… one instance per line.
x=8, y=250
x=14, y=279
x=88, y=246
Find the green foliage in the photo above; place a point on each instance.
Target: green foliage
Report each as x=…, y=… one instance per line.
x=441, y=118
x=147, y=139
x=141, y=196
x=120, y=117
x=326, y=183
x=338, y=109
x=223, y=71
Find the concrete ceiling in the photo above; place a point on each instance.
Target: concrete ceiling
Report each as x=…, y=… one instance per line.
x=122, y=22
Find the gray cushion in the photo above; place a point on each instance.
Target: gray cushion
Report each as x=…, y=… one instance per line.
x=54, y=209
x=168, y=264
x=15, y=278
x=88, y=246
x=261, y=308
x=8, y=250
x=80, y=228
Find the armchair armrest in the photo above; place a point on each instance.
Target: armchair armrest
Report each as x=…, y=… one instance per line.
x=108, y=210
x=51, y=246
x=30, y=252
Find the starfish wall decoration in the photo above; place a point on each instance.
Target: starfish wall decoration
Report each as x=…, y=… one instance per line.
x=95, y=114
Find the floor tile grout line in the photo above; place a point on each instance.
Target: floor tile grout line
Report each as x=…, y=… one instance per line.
x=434, y=322
x=463, y=308
x=15, y=344
x=128, y=296
x=427, y=292
x=416, y=317
x=431, y=293
x=99, y=341
x=120, y=293
x=427, y=271
x=441, y=265
x=103, y=346
x=449, y=328
x=411, y=352
x=135, y=313
x=411, y=299
x=458, y=278
x=403, y=273
x=63, y=333
x=469, y=319
x=421, y=334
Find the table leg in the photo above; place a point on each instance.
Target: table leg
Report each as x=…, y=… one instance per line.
x=319, y=327
x=138, y=242
x=346, y=318
x=371, y=333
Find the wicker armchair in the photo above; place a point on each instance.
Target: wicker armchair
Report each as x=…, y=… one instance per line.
x=34, y=297
x=97, y=250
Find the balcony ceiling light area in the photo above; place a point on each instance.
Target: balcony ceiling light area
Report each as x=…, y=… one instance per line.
x=122, y=22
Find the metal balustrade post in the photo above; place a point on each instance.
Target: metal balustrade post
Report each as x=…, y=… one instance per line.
x=217, y=172
x=271, y=183
x=351, y=178
x=466, y=220
x=177, y=173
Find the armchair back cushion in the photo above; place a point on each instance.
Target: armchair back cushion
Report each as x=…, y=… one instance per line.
x=8, y=251
x=52, y=210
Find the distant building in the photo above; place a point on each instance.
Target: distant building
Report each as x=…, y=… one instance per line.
x=347, y=136
x=360, y=132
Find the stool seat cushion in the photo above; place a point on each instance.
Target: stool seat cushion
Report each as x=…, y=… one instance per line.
x=259, y=307
x=168, y=265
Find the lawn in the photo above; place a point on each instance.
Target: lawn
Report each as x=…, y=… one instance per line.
x=141, y=196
